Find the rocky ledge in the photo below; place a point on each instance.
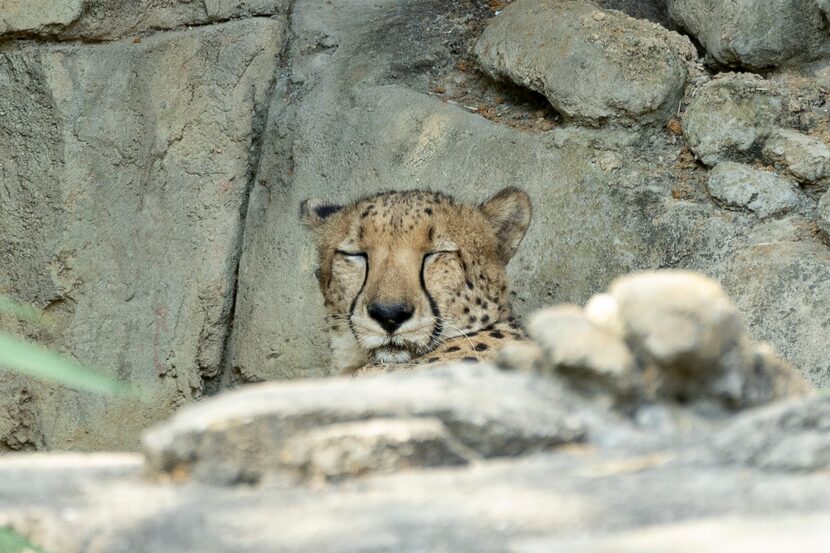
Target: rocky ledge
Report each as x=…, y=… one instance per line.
x=644, y=420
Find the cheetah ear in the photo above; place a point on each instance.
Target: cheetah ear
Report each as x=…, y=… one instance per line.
x=508, y=213
x=314, y=212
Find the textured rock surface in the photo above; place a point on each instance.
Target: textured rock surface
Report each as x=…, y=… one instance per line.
x=357, y=108
x=108, y=19
x=753, y=33
x=731, y=116
x=123, y=218
x=594, y=66
x=824, y=213
x=658, y=338
x=609, y=495
x=794, y=436
x=804, y=157
x=740, y=186
x=240, y=436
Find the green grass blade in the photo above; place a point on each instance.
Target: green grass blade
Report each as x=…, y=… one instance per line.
x=22, y=312
x=34, y=360
x=11, y=542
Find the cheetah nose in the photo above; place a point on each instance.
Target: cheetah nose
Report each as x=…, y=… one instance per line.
x=390, y=316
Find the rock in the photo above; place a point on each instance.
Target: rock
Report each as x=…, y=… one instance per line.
x=824, y=213
x=653, y=10
x=740, y=186
x=346, y=450
x=572, y=343
x=240, y=436
x=805, y=533
x=678, y=319
x=341, y=133
x=112, y=19
x=30, y=15
x=134, y=144
x=755, y=34
x=594, y=66
x=730, y=117
x=794, y=436
x=691, y=344
x=805, y=158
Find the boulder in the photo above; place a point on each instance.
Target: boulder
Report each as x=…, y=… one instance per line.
x=594, y=66
x=740, y=186
x=804, y=157
x=125, y=167
x=112, y=19
x=824, y=213
x=754, y=34
x=346, y=450
x=793, y=436
x=265, y=429
x=572, y=343
x=730, y=117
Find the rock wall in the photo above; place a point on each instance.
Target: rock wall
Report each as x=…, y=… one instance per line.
x=153, y=156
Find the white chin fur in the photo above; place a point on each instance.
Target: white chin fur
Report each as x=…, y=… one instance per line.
x=391, y=356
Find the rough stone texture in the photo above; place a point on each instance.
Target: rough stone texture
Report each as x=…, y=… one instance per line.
x=808, y=534
x=125, y=173
x=793, y=436
x=753, y=33
x=609, y=495
x=824, y=213
x=683, y=343
x=354, y=113
x=109, y=19
x=730, y=117
x=804, y=157
x=239, y=436
x=653, y=10
x=347, y=450
x=740, y=186
x=594, y=66
x=572, y=343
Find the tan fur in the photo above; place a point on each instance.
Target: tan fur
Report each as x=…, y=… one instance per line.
x=443, y=259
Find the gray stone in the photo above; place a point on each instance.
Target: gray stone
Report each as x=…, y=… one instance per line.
x=239, y=436
x=30, y=15
x=99, y=503
x=824, y=213
x=794, y=436
x=573, y=344
x=730, y=117
x=804, y=157
x=339, y=451
x=594, y=66
x=805, y=533
x=740, y=186
x=124, y=172
x=692, y=346
x=360, y=117
x=753, y=33
x=112, y=19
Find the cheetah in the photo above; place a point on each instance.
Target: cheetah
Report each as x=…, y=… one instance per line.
x=416, y=277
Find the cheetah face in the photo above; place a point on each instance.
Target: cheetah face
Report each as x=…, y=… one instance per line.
x=401, y=272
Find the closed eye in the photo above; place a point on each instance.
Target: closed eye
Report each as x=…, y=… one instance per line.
x=352, y=256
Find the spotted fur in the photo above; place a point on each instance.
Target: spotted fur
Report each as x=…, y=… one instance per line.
x=416, y=277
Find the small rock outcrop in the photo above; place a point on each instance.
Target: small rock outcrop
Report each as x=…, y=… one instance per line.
x=346, y=426
x=594, y=66
x=731, y=116
x=806, y=158
x=824, y=213
x=666, y=336
x=739, y=186
x=754, y=34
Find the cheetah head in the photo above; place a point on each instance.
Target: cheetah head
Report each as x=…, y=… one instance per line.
x=401, y=272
